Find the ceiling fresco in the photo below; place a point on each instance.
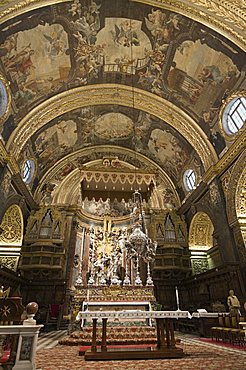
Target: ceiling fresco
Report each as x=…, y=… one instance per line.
x=104, y=125
x=79, y=43
x=52, y=51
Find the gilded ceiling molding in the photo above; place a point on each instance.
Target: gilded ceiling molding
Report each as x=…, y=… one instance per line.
x=13, y=9
x=5, y=157
x=101, y=94
x=226, y=18
x=52, y=173
x=232, y=153
x=235, y=186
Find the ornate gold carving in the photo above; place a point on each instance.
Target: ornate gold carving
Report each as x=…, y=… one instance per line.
x=67, y=189
x=214, y=193
x=199, y=265
x=223, y=16
x=201, y=230
x=41, y=219
x=235, y=94
x=9, y=262
x=24, y=6
x=6, y=158
x=225, y=179
x=115, y=294
x=235, y=185
x=13, y=227
x=228, y=158
x=5, y=99
x=106, y=94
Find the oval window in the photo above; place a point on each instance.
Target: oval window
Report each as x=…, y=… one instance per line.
x=234, y=115
x=189, y=180
x=28, y=171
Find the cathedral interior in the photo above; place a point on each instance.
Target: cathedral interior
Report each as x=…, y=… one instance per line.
x=102, y=101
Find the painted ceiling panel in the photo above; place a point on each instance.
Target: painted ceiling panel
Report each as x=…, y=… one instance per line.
x=75, y=44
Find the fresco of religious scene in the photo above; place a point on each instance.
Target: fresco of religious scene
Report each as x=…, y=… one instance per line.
x=55, y=141
x=164, y=28
x=127, y=46
x=167, y=151
x=37, y=62
x=203, y=79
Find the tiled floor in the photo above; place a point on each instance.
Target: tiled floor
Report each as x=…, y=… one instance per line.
x=199, y=355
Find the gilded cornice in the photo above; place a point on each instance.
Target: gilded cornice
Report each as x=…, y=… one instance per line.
x=232, y=153
x=113, y=94
x=225, y=17
x=10, y=9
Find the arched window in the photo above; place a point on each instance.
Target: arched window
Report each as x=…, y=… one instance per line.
x=189, y=180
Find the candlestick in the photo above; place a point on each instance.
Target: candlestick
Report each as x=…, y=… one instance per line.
x=177, y=297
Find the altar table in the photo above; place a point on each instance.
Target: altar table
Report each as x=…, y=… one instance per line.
x=166, y=347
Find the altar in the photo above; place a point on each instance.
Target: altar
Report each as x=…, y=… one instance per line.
x=166, y=346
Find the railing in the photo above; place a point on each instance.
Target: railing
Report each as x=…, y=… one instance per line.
x=26, y=337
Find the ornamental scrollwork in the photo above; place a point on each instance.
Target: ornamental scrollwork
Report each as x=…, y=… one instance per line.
x=9, y=262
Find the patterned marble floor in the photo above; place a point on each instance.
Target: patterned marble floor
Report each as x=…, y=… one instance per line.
x=199, y=356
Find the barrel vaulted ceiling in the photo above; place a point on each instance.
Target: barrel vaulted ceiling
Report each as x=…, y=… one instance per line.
x=140, y=80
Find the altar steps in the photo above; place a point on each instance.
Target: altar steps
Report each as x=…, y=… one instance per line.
x=120, y=335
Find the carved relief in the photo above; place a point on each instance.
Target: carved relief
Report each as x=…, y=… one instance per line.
x=236, y=186
x=214, y=193
x=12, y=225
x=199, y=265
x=225, y=179
x=201, y=231
x=241, y=196
x=9, y=262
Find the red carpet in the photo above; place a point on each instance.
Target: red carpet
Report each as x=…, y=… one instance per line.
x=223, y=344
x=83, y=349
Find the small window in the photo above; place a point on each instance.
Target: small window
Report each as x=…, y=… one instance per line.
x=234, y=115
x=189, y=180
x=28, y=171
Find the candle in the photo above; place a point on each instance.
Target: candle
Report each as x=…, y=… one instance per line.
x=177, y=297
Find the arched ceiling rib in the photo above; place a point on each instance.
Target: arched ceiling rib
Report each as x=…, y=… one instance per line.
x=113, y=94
